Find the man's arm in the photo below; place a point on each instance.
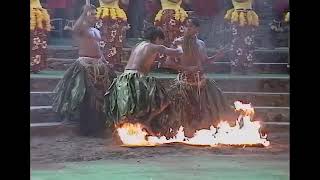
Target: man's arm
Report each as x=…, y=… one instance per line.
x=177, y=41
x=168, y=51
x=217, y=56
x=206, y=59
x=79, y=26
x=169, y=63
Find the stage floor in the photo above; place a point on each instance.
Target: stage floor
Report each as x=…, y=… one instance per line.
x=202, y=167
x=68, y=157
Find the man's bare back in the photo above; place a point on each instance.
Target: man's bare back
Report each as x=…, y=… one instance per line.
x=143, y=55
x=141, y=58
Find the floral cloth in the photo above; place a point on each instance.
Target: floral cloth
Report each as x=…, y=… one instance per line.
x=112, y=25
x=113, y=34
x=39, y=29
x=38, y=50
x=171, y=27
x=242, y=47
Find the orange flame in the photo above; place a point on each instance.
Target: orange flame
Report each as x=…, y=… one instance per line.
x=246, y=134
x=133, y=135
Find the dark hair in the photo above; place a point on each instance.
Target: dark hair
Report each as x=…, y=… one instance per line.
x=152, y=33
x=195, y=22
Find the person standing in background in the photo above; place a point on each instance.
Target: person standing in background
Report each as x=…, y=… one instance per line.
x=171, y=19
x=281, y=9
x=152, y=7
x=136, y=17
x=207, y=11
x=39, y=28
x=281, y=15
x=243, y=22
x=113, y=25
x=62, y=9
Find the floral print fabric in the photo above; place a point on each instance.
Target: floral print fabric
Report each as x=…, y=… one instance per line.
x=242, y=47
x=38, y=50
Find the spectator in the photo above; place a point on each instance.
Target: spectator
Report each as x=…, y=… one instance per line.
x=243, y=21
x=39, y=28
x=113, y=26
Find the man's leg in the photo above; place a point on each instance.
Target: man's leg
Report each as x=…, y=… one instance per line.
x=91, y=120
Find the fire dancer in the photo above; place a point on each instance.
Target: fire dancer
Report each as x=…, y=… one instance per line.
x=243, y=21
x=39, y=28
x=113, y=25
x=171, y=19
x=196, y=102
x=81, y=91
x=135, y=96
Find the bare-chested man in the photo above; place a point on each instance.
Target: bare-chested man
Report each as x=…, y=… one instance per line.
x=135, y=96
x=196, y=102
x=80, y=93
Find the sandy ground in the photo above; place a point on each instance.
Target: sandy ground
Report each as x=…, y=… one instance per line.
x=73, y=148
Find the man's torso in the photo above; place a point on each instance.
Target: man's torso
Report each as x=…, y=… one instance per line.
x=89, y=45
x=141, y=58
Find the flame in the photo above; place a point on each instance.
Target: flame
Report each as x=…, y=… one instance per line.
x=244, y=109
x=133, y=135
x=244, y=133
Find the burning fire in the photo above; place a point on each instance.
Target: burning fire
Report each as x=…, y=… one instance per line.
x=244, y=133
x=133, y=135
